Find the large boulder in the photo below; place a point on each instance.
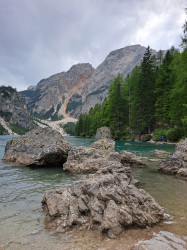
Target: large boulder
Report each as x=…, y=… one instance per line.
x=39, y=147
x=107, y=201
x=163, y=240
x=176, y=163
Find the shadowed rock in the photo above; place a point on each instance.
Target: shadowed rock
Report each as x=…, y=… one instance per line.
x=176, y=163
x=39, y=147
x=128, y=158
x=107, y=201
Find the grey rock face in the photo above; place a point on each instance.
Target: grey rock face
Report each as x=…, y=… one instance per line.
x=103, y=133
x=13, y=108
x=89, y=160
x=176, y=163
x=80, y=88
x=39, y=147
x=99, y=155
x=128, y=158
x=119, y=61
x=60, y=91
x=106, y=200
x=163, y=241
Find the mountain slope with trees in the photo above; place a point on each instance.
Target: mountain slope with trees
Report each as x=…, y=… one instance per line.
x=152, y=98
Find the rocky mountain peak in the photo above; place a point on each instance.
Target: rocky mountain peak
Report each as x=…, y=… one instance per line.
x=81, y=87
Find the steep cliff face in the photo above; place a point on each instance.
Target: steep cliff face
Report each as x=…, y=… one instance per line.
x=80, y=88
x=13, y=110
x=119, y=61
x=52, y=97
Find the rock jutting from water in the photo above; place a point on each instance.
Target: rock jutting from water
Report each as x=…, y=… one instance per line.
x=176, y=163
x=103, y=133
x=107, y=201
x=163, y=240
x=99, y=155
x=39, y=147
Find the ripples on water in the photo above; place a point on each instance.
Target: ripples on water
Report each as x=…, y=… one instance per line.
x=22, y=189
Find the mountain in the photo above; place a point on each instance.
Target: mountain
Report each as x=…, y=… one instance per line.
x=80, y=88
x=118, y=61
x=52, y=97
x=14, y=115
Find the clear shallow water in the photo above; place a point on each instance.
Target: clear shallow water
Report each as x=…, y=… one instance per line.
x=22, y=224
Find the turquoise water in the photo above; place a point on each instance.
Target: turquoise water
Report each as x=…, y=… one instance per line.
x=140, y=148
x=22, y=221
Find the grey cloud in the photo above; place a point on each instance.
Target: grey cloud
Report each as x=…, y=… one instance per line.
x=43, y=37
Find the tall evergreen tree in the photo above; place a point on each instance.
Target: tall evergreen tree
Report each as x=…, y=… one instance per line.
x=116, y=106
x=143, y=96
x=162, y=89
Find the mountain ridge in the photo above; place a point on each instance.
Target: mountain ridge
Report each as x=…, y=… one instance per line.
x=74, y=92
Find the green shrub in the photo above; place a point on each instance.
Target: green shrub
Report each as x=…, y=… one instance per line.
x=158, y=133
x=172, y=134
x=69, y=128
x=56, y=117
x=3, y=131
x=175, y=134
x=18, y=129
x=6, y=115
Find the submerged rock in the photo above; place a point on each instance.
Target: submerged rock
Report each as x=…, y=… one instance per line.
x=163, y=241
x=161, y=153
x=39, y=147
x=176, y=163
x=107, y=201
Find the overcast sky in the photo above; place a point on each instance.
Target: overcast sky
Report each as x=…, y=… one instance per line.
x=39, y=38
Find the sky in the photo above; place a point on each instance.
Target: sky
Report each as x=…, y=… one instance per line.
x=39, y=38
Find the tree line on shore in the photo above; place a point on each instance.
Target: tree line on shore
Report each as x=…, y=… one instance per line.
x=153, y=98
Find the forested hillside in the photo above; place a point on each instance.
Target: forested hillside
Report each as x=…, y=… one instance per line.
x=153, y=98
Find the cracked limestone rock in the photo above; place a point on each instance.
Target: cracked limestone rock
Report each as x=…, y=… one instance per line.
x=107, y=201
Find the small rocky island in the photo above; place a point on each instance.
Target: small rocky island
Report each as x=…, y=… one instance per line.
x=107, y=199
x=101, y=153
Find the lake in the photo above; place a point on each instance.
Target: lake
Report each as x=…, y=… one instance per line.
x=22, y=221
